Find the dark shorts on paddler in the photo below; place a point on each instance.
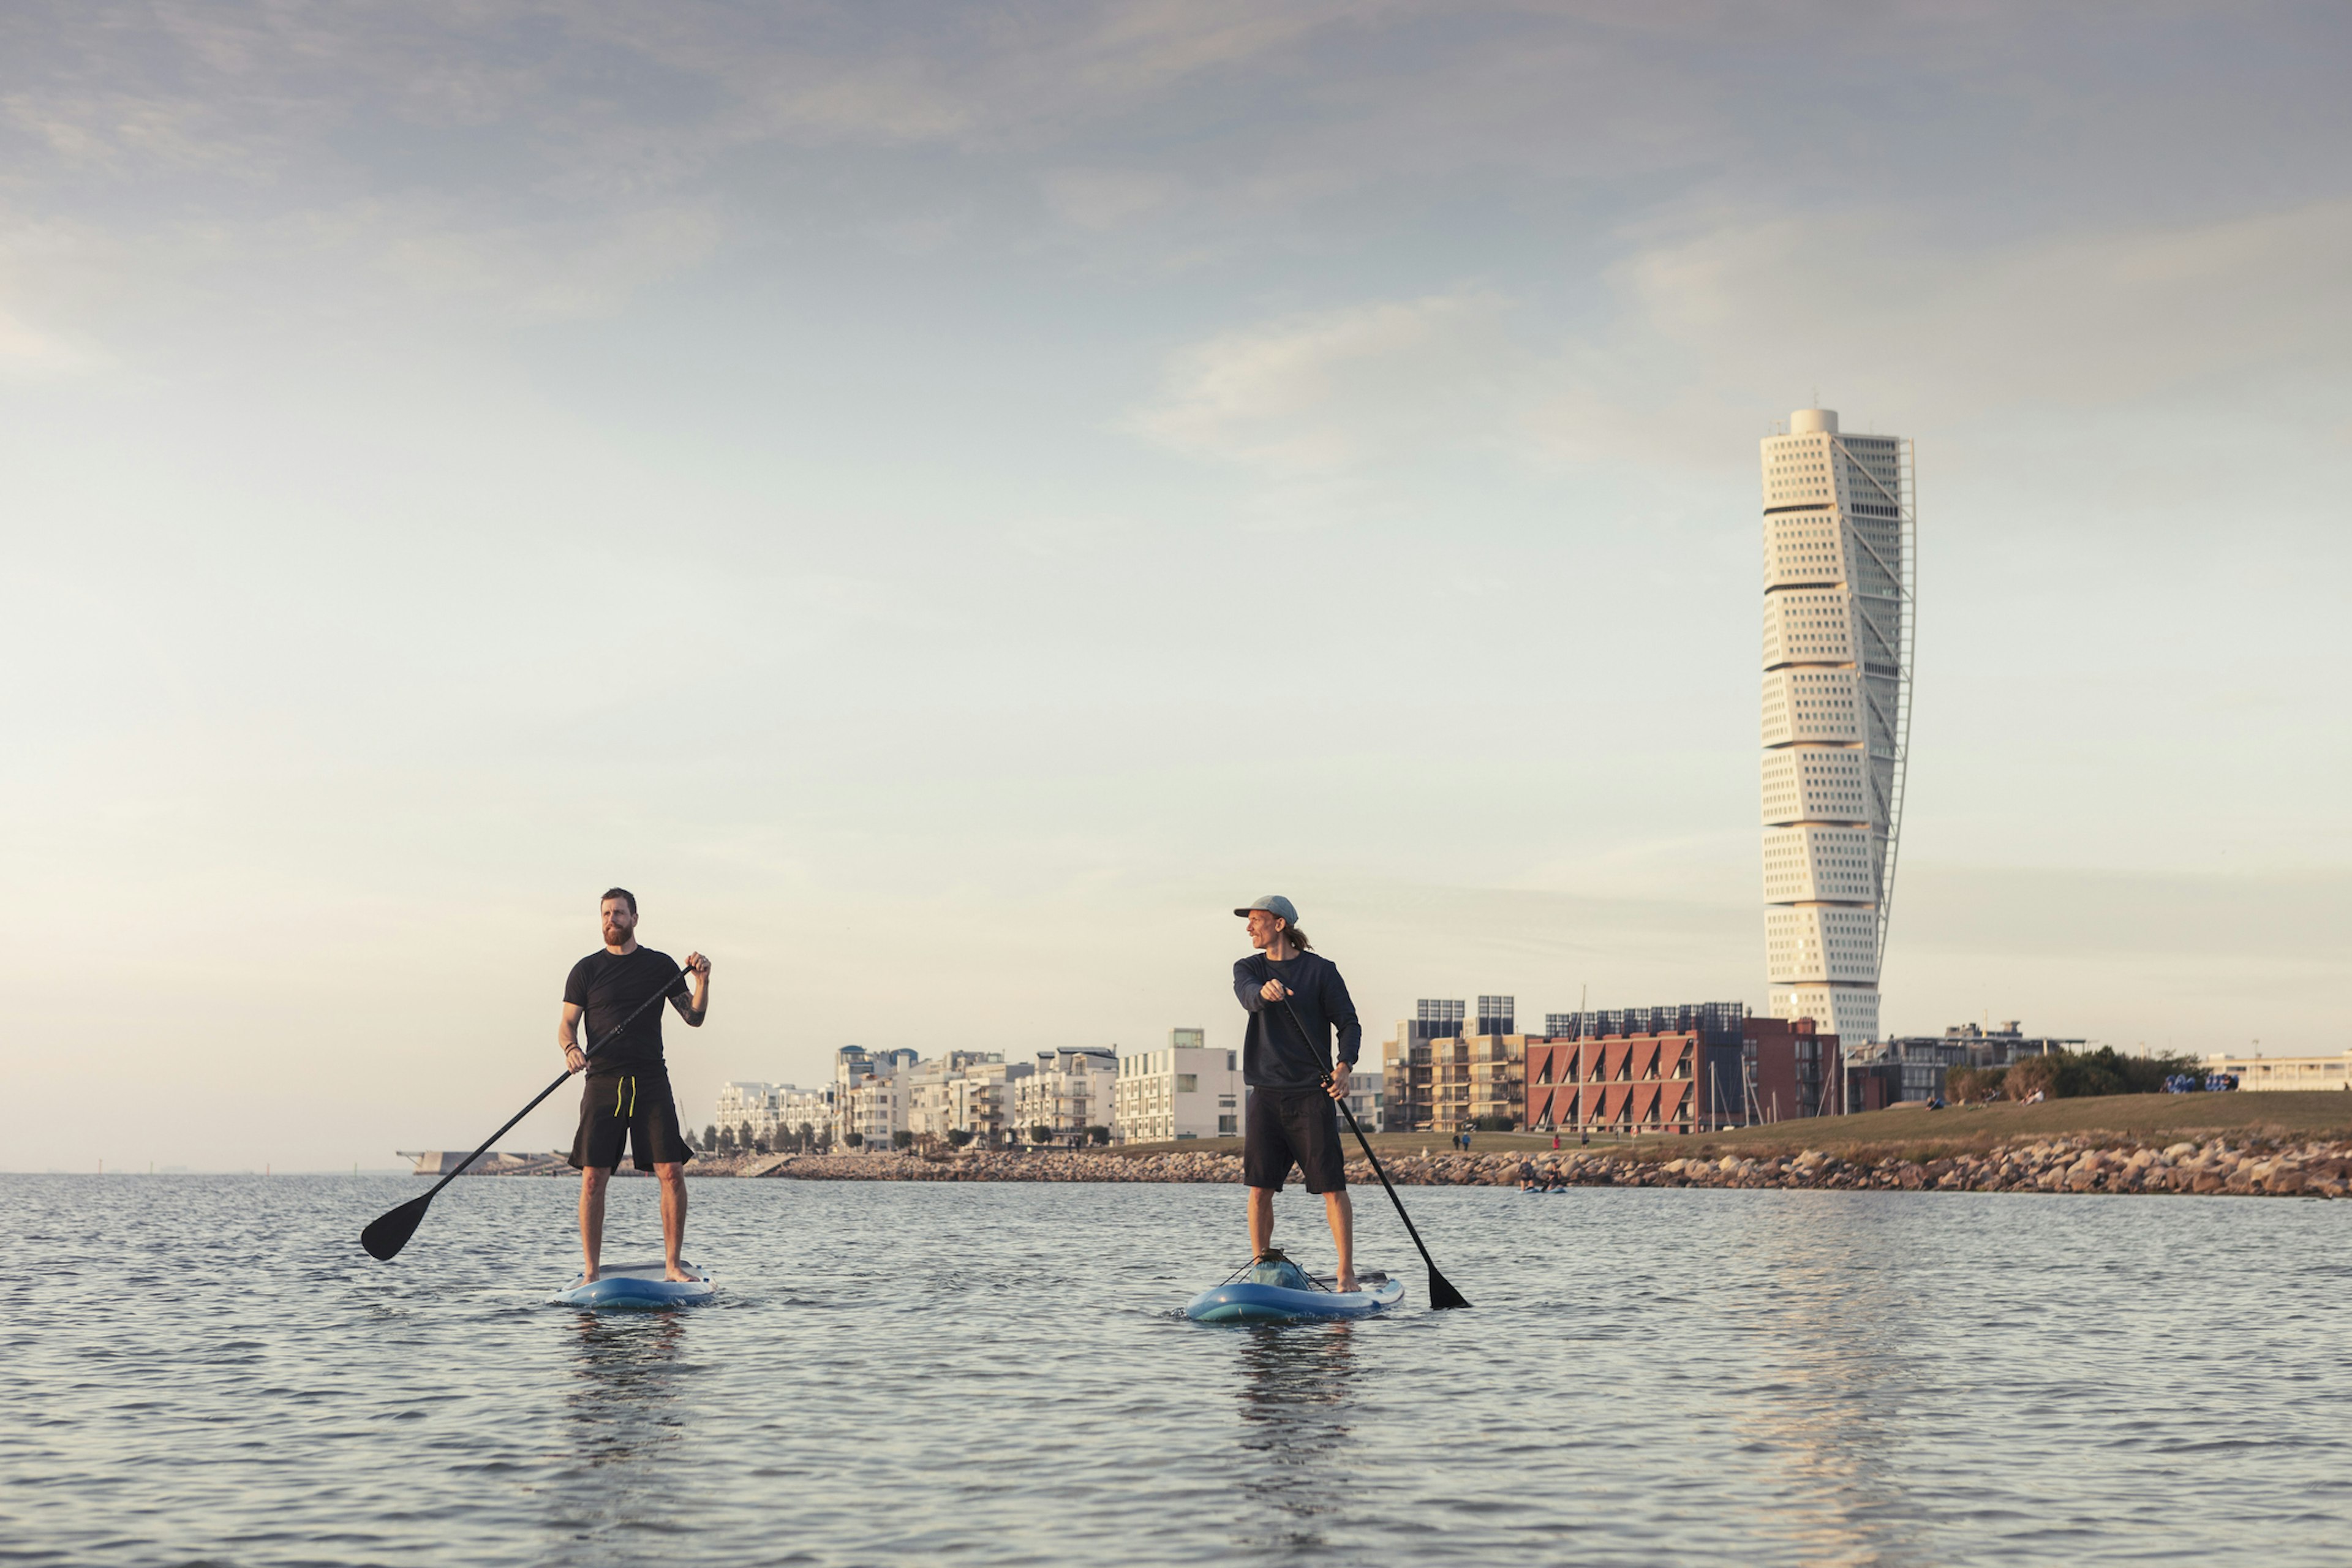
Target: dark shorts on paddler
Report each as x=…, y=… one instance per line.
x=1293, y=1126
x=631, y=1108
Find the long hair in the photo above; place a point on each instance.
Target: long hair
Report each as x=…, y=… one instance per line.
x=1298, y=938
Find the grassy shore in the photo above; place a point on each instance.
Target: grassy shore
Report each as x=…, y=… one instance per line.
x=1918, y=1134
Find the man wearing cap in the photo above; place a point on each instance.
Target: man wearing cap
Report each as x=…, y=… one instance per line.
x=1295, y=999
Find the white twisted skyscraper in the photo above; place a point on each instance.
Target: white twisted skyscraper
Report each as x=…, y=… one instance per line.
x=1839, y=548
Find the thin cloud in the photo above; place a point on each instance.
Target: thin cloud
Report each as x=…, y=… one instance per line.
x=1325, y=392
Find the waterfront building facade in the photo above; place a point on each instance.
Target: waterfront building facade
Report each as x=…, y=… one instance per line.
x=810, y=1110
x=1794, y=1068
x=985, y=1099
x=2257, y=1071
x=1408, y=1067
x=1630, y=1083
x=1436, y=1078
x=746, y=1108
x=1182, y=1090
x=1913, y=1066
x=1695, y=1067
x=869, y=1094
x=1365, y=1098
x=935, y=1107
x=1067, y=1091
x=1840, y=553
x=767, y=1114
x=875, y=1110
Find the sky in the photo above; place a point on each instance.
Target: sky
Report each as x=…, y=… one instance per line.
x=944, y=502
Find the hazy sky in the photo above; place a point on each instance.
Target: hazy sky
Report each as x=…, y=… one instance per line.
x=946, y=501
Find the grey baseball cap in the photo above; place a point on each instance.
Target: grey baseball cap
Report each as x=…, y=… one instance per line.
x=1273, y=904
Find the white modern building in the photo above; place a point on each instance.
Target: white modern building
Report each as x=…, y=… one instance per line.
x=1068, y=1090
x=986, y=1100
x=1185, y=1091
x=1839, y=553
x=869, y=1092
x=937, y=1102
x=747, y=1109
x=2257, y=1071
x=757, y=1112
x=805, y=1107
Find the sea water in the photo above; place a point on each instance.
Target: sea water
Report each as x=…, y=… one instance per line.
x=210, y=1370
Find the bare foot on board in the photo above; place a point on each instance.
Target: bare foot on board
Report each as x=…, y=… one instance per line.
x=680, y=1273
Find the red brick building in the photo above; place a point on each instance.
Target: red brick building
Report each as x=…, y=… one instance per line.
x=1682, y=1080
x=1793, y=1070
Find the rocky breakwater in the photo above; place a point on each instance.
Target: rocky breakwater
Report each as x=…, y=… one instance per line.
x=2247, y=1167
x=2055, y=1165
x=2049, y=1165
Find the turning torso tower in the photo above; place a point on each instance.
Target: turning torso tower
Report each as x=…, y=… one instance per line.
x=1839, y=549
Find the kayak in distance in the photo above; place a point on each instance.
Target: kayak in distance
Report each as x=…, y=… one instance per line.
x=636, y=1285
x=1275, y=1290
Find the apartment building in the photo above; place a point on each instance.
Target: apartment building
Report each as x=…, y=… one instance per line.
x=870, y=1092
x=936, y=1103
x=1436, y=1078
x=1182, y=1090
x=747, y=1109
x=2258, y=1071
x=987, y=1099
x=1067, y=1090
x=809, y=1111
x=1695, y=1067
x=758, y=1112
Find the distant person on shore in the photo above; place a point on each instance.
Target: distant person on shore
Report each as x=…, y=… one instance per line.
x=627, y=1099
x=1295, y=1000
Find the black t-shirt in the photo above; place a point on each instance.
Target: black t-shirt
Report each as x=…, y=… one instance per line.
x=608, y=987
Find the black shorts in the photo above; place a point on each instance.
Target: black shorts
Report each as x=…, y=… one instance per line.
x=1293, y=1126
x=628, y=1108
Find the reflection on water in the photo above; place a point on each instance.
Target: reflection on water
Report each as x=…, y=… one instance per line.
x=625, y=1411
x=1294, y=1388
x=1830, y=1334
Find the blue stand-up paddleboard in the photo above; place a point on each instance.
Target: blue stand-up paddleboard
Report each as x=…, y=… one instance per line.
x=1275, y=1290
x=636, y=1285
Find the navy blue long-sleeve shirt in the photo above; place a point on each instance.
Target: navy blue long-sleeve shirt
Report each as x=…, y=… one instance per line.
x=1279, y=1054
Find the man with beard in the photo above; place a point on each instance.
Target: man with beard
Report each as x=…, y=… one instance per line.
x=1295, y=999
x=627, y=1100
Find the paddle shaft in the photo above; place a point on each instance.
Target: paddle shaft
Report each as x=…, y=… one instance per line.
x=543, y=1093
x=1440, y=1287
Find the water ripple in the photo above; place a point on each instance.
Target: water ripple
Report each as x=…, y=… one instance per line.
x=992, y=1375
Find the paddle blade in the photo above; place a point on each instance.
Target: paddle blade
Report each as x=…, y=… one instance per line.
x=1442, y=1295
x=391, y=1229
